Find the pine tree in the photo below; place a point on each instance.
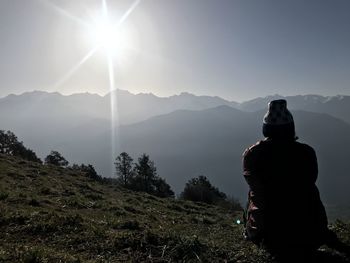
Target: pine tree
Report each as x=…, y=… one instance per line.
x=124, y=169
x=147, y=180
x=146, y=174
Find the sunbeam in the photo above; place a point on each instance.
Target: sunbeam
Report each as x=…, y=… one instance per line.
x=74, y=69
x=109, y=39
x=128, y=12
x=65, y=13
x=104, y=8
x=113, y=110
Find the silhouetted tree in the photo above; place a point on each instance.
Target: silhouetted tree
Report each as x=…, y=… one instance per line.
x=90, y=172
x=25, y=153
x=199, y=189
x=55, y=158
x=145, y=174
x=162, y=189
x=145, y=179
x=124, y=169
x=10, y=145
x=8, y=140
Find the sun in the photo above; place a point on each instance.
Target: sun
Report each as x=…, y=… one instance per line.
x=110, y=33
x=112, y=38
x=106, y=35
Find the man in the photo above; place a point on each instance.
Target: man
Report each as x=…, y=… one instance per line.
x=284, y=214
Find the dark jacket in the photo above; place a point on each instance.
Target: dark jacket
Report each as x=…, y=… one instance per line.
x=284, y=206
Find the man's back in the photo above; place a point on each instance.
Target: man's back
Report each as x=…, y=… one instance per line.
x=282, y=175
x=284, y=213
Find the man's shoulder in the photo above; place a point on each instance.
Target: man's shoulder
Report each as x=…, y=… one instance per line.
x=305, y=147
x=255, y=147
x=265, y=145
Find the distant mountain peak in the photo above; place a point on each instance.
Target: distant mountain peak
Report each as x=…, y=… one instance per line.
x=31, y=94
x=184, y=93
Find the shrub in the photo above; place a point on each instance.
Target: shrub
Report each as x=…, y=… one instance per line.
x=199, y=189
x=90, y=172
x=55, y=158
x=3, y=196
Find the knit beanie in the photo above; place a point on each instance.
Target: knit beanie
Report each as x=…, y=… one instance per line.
x=278, y=121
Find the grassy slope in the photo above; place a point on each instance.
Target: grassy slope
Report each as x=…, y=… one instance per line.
x=50, y=214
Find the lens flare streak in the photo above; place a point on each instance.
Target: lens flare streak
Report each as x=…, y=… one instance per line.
x=128, y=12
x=112, y=89
x=74, y=69
x=115, y=137
x=65, y=13
x=113, y=110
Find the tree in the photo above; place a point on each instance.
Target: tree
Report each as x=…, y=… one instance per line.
x=124, y=169
x=55, y=158
x=146, y=179
x=90, y=172
x=162, y=189
x=146, y=174
x=8, y=140
x=25, y=153
x=199, y=189
x=10, y=145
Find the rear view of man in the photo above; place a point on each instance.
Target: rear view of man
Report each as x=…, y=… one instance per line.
x=285, y=213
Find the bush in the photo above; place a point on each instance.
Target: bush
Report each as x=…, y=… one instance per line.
x=199, y=189
x=90, y=172
x=231, y=203
x=55, y=158
x=162, y=189
x=3, y=196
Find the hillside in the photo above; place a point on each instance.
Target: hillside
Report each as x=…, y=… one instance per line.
x=50, y=214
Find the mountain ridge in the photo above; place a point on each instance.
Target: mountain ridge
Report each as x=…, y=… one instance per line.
x=141, y=106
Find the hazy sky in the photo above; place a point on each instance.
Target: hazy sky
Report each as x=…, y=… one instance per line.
x=237, y=49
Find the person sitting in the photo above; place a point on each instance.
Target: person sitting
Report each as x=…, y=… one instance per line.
x=284, y=214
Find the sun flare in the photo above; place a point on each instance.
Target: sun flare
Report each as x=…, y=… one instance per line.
x=118, y=40
x=110, y=37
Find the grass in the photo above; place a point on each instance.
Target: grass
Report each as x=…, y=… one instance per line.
x=50, y=214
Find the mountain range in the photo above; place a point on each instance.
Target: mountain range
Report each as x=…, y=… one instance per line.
x=186, y=135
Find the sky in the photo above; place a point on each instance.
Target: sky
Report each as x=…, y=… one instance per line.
x=235, y=49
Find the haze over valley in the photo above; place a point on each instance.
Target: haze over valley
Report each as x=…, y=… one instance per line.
x=186, y=135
